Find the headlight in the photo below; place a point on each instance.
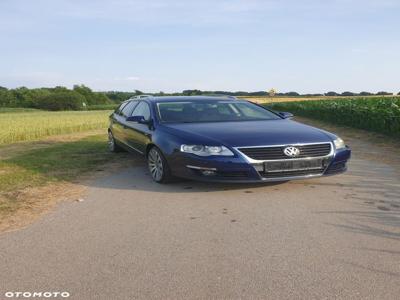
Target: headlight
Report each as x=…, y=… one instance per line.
x=339, y=143
x=201, y=150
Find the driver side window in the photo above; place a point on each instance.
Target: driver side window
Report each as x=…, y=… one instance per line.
x=142, y=109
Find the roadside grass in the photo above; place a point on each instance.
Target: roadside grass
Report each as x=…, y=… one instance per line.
x=58, y=162
x=32, y=125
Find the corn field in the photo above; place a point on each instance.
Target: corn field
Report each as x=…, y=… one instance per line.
x=28, y=126
x=380, y=114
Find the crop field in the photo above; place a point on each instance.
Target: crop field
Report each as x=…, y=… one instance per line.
x=379, y=114
x=274, y=99
x=32, y=125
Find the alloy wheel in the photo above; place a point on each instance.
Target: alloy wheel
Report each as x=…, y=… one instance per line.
x=156, y=166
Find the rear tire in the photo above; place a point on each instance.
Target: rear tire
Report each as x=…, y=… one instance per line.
x=112, y=145
x=158, y=166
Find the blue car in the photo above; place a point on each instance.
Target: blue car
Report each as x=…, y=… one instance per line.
x=223, y=139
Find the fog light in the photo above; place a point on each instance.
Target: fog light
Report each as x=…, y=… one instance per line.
x=259, y=167
x=208, y=172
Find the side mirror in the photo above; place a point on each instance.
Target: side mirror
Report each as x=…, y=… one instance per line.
x=137, y=119
x=286, y=115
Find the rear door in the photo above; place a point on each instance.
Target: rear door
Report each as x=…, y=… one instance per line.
x=138, y=135
x=119, y=128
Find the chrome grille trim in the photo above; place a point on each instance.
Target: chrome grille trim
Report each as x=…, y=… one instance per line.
x=259, y=161
x=276, y=176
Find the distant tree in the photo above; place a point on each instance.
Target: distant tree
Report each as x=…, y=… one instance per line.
x=382, y=93
x=292, y=94
x=312, y=95
x=91, y=97
x=60, y=88
x=62, y=100
x=331, y=94
x=2, y=88
x=398, y=93
x=101, y=98
x=137, y=92
x=258, y=93
x=365, y=94
x=272, y=92
x=7, y=99
x=348, y=93
x=23, y=96
x=86, y=92
x=118, y=97
x=192, y=92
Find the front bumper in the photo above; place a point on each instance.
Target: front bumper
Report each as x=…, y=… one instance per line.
x=238, y=169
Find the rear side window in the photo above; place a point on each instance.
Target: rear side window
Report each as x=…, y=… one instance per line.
x=142, y=109
x=126, y=111
x=120, y=108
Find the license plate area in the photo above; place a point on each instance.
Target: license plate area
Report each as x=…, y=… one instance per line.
x=293, y=165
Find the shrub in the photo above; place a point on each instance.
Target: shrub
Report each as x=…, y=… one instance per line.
x=64, y=100
x=102, y=107
x=331, y=94
x=293, y=94
x=348, y=94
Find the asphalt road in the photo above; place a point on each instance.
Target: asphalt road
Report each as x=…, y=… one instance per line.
x=335, y=237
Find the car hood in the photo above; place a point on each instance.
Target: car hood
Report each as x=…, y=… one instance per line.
x=250, y=133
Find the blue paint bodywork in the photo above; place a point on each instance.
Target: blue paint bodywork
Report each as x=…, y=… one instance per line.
x=168, y=137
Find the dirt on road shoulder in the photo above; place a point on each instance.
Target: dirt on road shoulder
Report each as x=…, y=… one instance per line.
x=34, y=176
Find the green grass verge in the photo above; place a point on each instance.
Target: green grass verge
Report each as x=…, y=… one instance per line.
x=379, y=114
x=57, y=162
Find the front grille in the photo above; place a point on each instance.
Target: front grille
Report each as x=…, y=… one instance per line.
x=271, y=153
x=291, y=173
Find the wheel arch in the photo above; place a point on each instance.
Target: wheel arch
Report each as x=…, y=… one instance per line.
x=148, y=147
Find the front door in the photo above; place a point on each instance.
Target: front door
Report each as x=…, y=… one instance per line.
x=138, y=135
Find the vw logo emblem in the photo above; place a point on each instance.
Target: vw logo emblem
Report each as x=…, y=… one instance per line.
x=291, y=151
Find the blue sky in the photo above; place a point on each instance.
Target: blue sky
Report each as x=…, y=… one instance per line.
x=305, y=45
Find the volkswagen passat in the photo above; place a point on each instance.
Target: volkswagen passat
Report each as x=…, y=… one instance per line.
x=223, y=139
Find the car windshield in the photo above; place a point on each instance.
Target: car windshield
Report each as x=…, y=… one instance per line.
x=212, y=111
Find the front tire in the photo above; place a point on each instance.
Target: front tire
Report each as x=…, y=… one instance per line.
x=158, y=166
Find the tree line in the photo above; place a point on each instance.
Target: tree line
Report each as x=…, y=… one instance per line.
x=57, y=98
x=288, y=94
x=81, y=97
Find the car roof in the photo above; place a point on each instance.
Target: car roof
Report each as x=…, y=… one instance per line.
x=187, y=98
